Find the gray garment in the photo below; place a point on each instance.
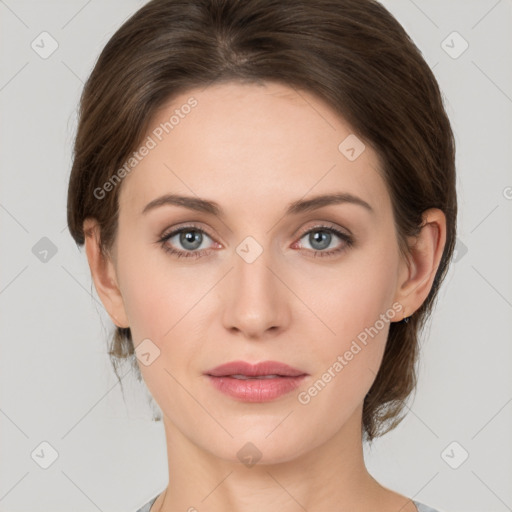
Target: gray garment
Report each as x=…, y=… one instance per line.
x=419, y=506
x=148, y=505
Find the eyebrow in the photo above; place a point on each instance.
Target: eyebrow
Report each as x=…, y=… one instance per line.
x=294, y=208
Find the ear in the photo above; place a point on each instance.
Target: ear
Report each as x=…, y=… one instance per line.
x=103, y=274
x=418, y=272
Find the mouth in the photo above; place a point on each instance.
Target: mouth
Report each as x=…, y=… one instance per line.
x=246, y=377
x=265, y=369
x=260, y=382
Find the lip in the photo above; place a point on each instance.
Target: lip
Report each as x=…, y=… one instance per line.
x=255, y=370
x=252, y=389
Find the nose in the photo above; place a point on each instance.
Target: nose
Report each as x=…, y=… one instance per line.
x=255, y=300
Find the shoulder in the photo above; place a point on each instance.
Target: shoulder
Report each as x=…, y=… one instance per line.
x=147, y=506
x=419, y=506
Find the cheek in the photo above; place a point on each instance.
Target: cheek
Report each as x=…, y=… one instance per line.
x=159, y=302
x=149, y=312
x=355, y=308
x=347, y=362
x=155, y=294
x=352, y=296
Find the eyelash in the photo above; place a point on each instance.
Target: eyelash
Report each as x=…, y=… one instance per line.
x=349, y=241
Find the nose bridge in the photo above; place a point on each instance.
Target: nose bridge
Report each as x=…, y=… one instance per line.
x=255, y=301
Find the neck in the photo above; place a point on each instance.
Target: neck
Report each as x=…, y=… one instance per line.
x=330, y=476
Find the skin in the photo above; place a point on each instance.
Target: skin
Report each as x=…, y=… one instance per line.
x=254, y=149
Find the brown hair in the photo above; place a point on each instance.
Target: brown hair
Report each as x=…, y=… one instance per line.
x=351, y=53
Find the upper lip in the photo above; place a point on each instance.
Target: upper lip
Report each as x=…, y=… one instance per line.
x=254, y=370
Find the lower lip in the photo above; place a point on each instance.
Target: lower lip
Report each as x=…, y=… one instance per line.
x=256, y=390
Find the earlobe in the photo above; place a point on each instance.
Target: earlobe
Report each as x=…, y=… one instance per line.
x=425, y=252
x=103, y=274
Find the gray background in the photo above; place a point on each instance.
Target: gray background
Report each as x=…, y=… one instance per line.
x=56, y=382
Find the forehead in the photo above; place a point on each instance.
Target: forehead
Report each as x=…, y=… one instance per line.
x=237, y=141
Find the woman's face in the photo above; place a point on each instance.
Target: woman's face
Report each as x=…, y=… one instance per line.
x=266, y=278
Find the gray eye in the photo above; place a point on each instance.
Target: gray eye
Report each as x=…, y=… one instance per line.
x=320, y=240
x=191, y=239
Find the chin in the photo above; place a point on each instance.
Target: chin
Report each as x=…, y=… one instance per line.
x=258, y=447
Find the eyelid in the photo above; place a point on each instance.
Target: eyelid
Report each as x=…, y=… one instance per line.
x=325, y=225
x=187, y=225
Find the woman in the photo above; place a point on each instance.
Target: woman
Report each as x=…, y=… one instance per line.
x=266, y=194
